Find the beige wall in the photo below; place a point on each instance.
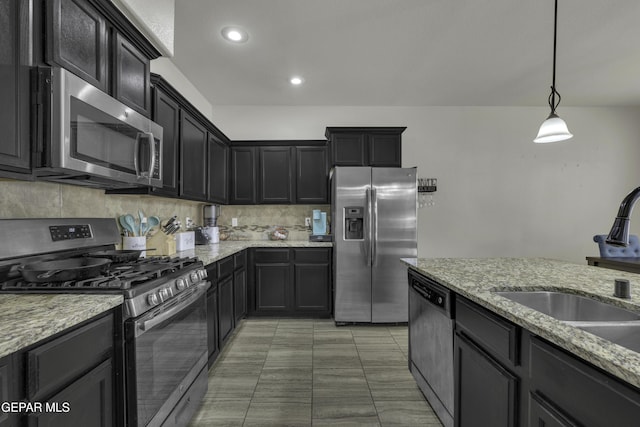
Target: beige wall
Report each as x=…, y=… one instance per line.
x=499, y=194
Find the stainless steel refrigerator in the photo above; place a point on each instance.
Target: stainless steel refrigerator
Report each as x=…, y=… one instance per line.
x=373, y=212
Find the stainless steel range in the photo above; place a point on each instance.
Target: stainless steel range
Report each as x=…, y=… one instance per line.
x=164, y=310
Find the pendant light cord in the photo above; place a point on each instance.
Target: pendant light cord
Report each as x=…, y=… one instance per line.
x=552, y=97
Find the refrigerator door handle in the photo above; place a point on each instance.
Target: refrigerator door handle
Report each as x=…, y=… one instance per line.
x=374, y=225
x=367, y=228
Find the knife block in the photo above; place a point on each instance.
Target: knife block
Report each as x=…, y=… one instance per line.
x=163, y=245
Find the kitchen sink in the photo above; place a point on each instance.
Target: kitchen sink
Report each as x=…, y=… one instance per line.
x=626, y=334
x=570, y=307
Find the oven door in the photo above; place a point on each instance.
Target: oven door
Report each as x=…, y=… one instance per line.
x=92, y=133
x=166, y=350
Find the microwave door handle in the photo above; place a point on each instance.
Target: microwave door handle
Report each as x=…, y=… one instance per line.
x=152, y=160
x=136, y=154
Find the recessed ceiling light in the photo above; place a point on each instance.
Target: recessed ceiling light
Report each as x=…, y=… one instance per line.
x=296, y=80
x=235, y=34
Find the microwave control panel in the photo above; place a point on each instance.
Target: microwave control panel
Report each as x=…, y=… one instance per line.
x=70, y=232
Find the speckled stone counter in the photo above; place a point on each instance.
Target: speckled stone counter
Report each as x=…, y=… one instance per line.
x=477, y=278
x=26, y=319
x=212, y=253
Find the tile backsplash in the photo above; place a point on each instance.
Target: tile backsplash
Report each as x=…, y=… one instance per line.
x=255, y=221
x=25, y=199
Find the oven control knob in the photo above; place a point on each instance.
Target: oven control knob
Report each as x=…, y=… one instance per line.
x=181, y=284
x=194, y=277
x=163, y=294
x=169, y=292
x=152, y=299
x=202, y=274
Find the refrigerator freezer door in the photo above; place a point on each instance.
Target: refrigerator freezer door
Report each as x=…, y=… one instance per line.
x=394, y=232
x=352, y=256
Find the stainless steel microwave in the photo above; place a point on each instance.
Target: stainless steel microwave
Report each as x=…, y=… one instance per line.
x=84, y=136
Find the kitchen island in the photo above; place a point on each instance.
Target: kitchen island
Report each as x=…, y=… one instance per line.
x=476, y=279
x=515, y=365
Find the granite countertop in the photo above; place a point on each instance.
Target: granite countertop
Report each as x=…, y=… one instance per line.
x=26, y=319
x=476, y=278
x=212, y=253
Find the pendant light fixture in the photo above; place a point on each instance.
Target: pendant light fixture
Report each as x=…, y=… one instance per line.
x=553, y=129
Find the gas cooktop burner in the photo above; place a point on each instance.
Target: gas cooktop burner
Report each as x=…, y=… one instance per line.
x=118, y=277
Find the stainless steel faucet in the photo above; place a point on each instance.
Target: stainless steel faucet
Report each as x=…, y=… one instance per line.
x=619, y=234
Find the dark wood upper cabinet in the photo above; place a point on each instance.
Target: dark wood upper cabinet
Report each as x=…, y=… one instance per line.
x=275, y=175
x=131, y=83
x=243, y=176
x=279, y=172
x=95, y=41
x=349, y=149
x=166, y=112
x=385, y=149
x=14, y=87
x=195, y=162
x=366, y=146
x=77, y=40
x=218, y=189
x=193, y=158
x=312, y=176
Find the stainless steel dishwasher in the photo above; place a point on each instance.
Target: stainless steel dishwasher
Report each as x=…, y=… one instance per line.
x=431, y=343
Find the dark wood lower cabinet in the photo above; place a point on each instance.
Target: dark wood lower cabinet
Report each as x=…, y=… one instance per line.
x=580, y=391
x=486, y=393
x=240, y=294
x=8, y=392
x=70, y=380
x=225, y=310
x=86, y=402
x=543, y=413
x=212, y=323
x=291, y=282
x=506, y=376
x=311, y=287
x=272, y=285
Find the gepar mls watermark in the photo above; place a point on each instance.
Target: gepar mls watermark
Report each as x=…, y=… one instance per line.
x=37, y=407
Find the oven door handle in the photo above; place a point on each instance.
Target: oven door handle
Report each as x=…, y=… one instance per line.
x=146, y=325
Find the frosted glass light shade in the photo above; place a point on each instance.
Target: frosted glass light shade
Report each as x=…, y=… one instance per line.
x=553, y=129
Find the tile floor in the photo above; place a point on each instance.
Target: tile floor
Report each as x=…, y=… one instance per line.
x=305, y=372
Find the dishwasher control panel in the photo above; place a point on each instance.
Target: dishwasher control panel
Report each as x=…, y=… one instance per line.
x=434, y=296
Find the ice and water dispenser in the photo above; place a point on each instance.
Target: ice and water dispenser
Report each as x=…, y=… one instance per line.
x=353, y=223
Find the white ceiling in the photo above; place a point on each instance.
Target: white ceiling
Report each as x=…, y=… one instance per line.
x=411, y=52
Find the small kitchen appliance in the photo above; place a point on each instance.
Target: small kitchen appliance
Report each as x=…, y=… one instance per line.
x=210, y=233
x=210, y=214
x=164, y=311
x=86, y=137
x=319, y=222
